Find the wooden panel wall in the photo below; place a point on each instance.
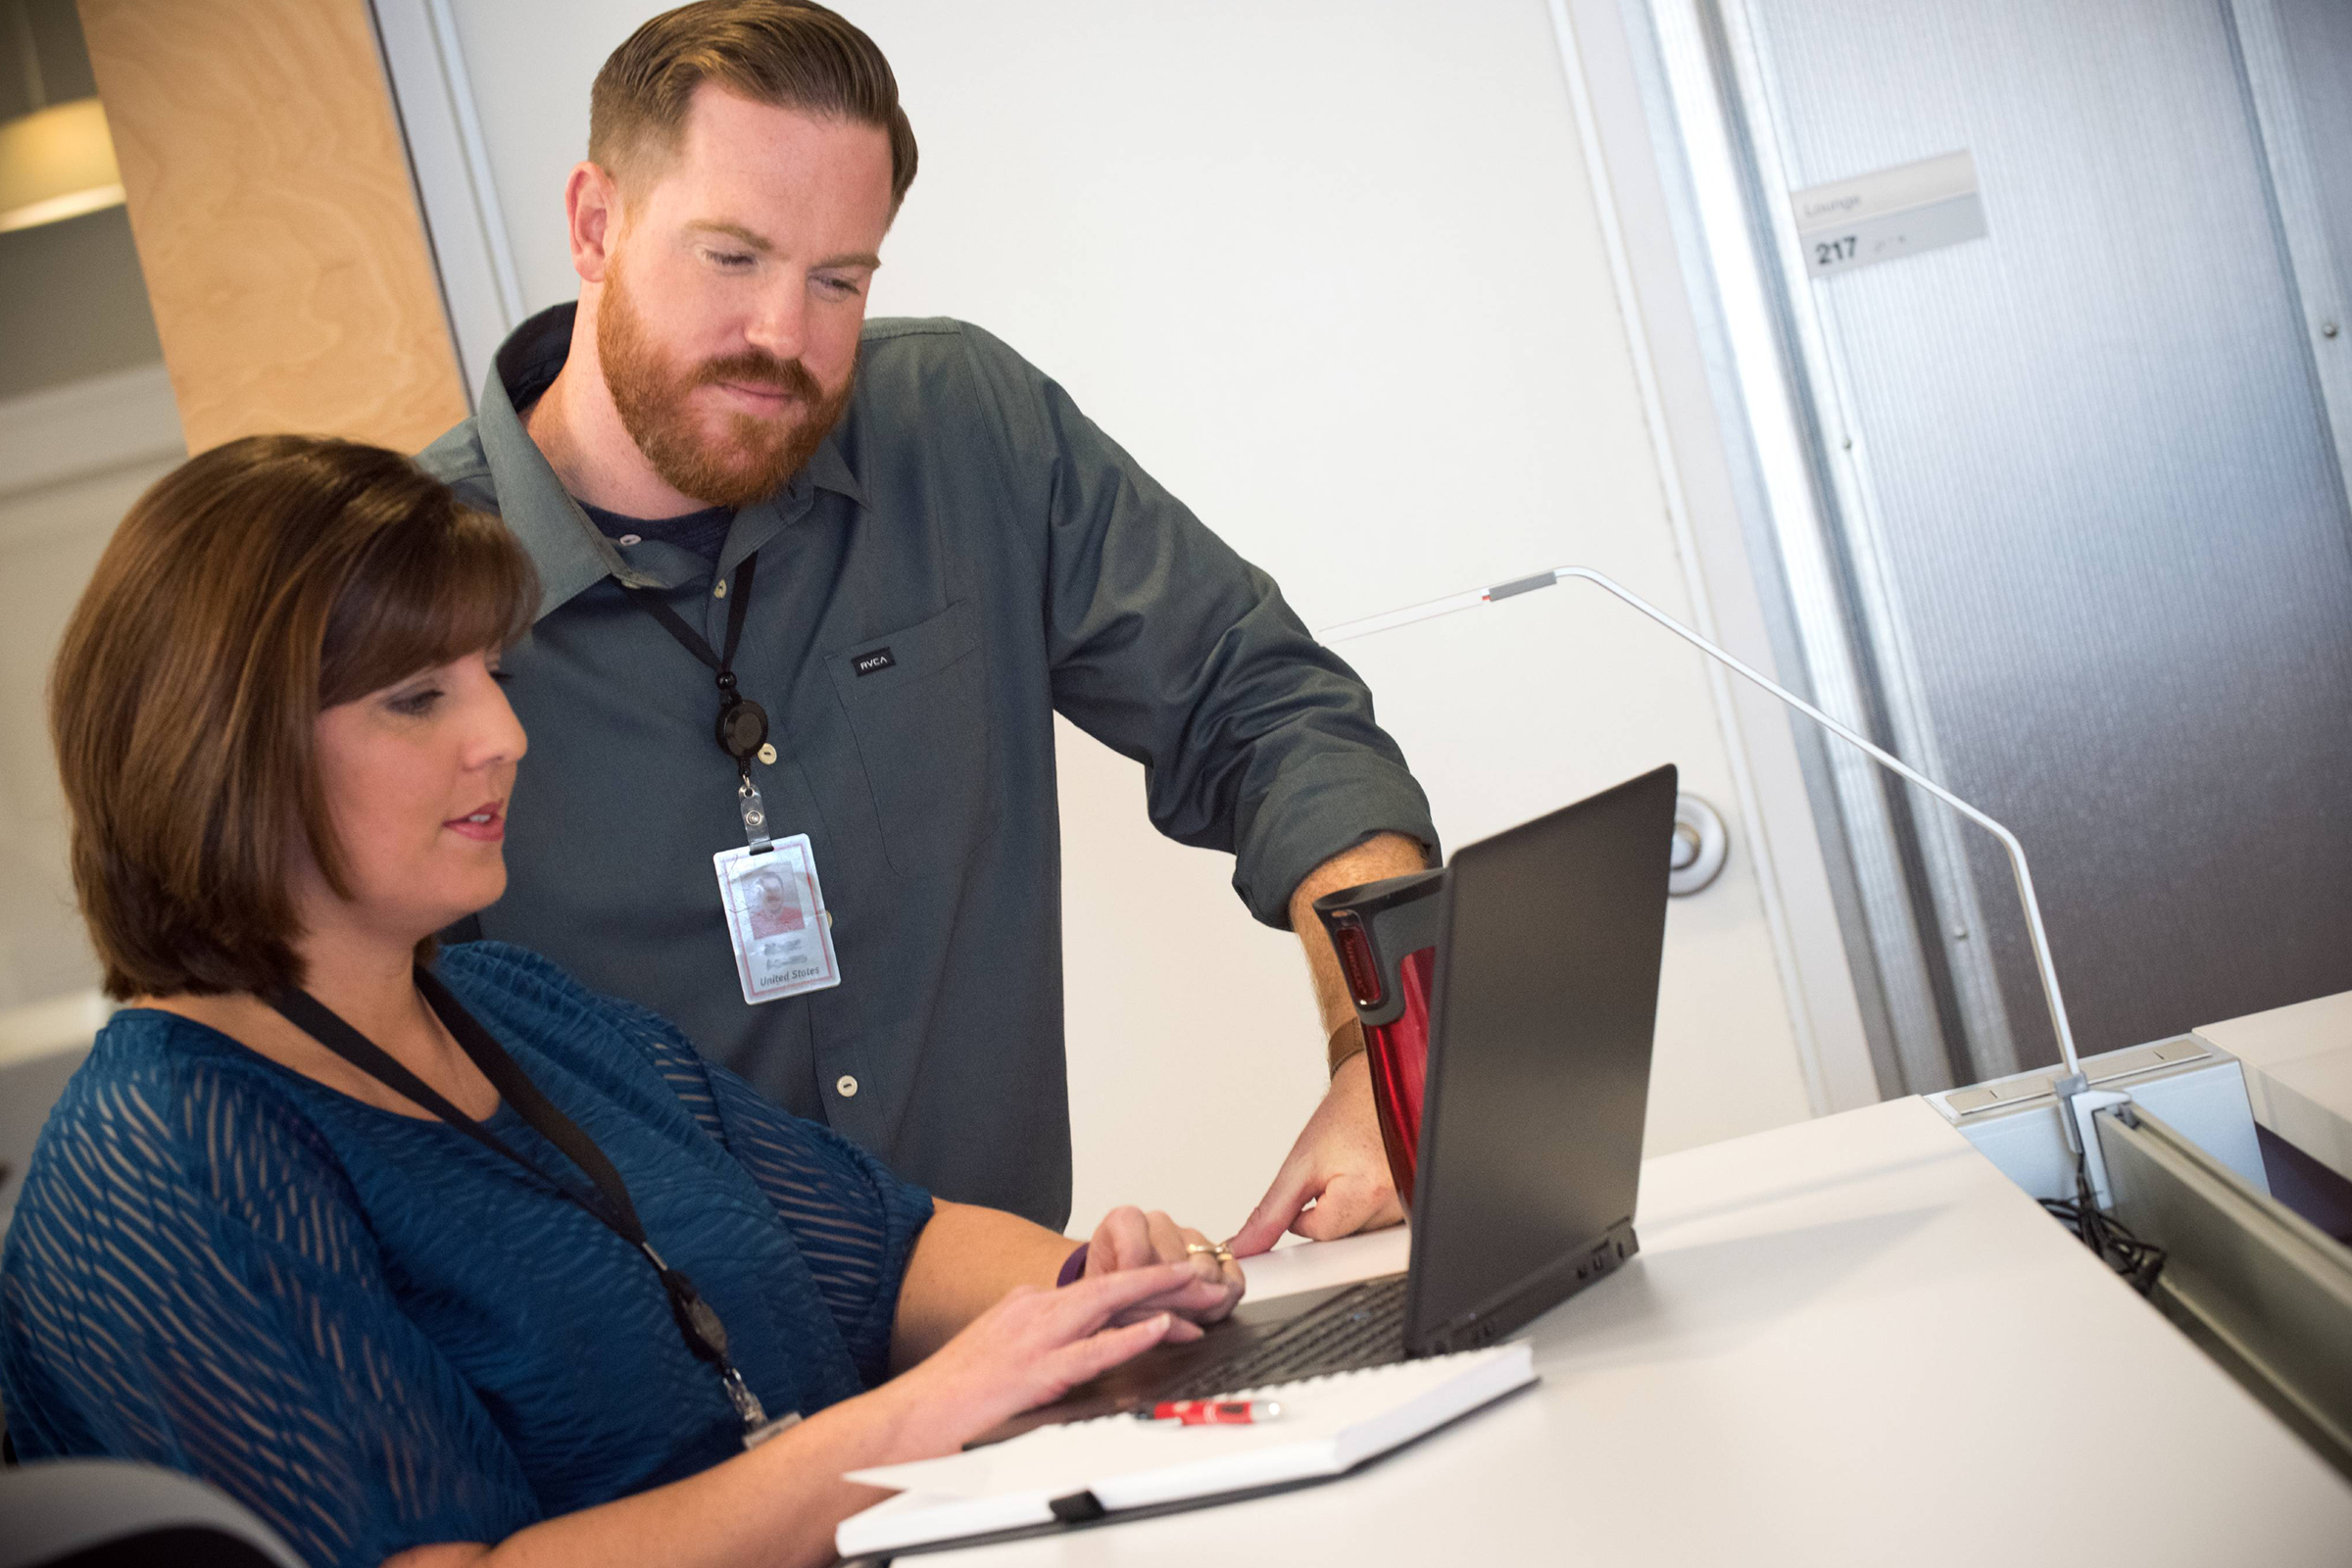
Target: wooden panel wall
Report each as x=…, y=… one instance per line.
x=276, y=222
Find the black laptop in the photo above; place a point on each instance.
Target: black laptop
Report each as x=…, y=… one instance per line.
x=1550, y=937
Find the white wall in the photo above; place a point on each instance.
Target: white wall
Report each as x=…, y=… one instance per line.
x=71, y=461
x=1332, y=269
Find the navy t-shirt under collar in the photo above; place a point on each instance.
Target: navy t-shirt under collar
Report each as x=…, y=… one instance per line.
x=703, y=533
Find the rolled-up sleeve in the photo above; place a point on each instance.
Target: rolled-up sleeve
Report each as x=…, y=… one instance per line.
x=1168, y=646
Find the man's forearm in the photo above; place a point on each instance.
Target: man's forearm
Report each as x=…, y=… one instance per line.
x=1337, y=1166
x=1384, y=855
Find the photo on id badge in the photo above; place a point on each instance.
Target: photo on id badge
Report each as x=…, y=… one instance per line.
x=772, y=908
x=776, y=920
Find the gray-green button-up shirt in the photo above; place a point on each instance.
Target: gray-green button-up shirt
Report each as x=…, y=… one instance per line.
x=1014, y=561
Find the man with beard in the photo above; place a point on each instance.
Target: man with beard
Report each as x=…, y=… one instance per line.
x=813, y=587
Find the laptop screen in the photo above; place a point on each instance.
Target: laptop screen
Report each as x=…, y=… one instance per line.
x=1539, y=1076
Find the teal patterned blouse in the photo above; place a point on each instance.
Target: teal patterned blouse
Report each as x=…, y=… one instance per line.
x=378, y=1334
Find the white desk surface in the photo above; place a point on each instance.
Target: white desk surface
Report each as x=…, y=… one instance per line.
x=2298, y=1064
x=1851, y=1341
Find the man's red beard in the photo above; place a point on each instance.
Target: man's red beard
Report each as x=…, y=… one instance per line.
x=751, y=457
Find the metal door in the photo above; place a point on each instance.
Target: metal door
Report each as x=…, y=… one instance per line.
x=2069, y=523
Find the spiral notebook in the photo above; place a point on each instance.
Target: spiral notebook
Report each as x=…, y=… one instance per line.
x=1118, y=1466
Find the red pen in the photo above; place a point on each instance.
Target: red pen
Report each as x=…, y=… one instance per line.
x=1212, y=1412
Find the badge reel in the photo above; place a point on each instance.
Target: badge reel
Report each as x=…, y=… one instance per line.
x=775, y=908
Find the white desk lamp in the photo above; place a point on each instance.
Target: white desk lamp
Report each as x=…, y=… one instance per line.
x=2077, y=1101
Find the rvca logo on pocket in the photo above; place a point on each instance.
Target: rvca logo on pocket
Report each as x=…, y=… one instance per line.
x=867, y=664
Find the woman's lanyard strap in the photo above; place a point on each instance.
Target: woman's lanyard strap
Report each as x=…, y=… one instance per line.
x=741, y=723
x=698, y=1322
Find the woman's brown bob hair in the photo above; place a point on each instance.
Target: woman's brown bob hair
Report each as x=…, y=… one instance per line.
x=248, y=589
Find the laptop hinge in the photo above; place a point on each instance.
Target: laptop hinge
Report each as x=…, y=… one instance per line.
x=1522, y=1303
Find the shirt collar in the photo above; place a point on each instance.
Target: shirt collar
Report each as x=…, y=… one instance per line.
x=570, y=552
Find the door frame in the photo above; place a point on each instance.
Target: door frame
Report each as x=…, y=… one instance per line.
x=1836, y=1004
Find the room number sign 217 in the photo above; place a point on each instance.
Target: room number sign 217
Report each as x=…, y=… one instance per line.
x=1889, y=214
x=1828, y=253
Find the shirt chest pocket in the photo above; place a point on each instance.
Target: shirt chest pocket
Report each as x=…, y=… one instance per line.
x=917, y=702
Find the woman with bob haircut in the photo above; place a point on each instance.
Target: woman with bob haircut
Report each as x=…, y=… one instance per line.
x=438, y=1258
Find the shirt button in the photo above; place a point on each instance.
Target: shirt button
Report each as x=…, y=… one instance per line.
x=846, y=1086
x=630, y=539
x=719, y=592
x=767, y=754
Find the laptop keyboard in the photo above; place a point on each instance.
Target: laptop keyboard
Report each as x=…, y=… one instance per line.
x=1361, y=1326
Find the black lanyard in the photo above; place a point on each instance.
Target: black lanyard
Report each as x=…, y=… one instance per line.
x=706, y=1335
x=741, y=723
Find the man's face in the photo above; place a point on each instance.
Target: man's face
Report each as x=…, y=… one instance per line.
x=734, y=291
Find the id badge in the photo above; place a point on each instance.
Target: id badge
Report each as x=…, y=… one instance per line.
x=776, y=918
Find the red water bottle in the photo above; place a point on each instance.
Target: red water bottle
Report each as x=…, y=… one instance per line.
x=1385, y=934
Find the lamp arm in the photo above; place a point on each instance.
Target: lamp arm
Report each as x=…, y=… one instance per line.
x=1472, y=599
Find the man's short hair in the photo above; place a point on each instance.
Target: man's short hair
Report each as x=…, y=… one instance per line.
x=782, y=52
x=248, y=589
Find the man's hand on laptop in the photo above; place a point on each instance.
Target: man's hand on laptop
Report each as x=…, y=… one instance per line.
x=1129, y=1238
x=1336, y=1181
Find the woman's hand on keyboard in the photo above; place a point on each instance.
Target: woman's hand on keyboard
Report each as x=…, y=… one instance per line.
x=1032, y=1347
x=1130, y=1239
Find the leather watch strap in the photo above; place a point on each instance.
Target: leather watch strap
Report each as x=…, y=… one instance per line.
x=1346, y=1041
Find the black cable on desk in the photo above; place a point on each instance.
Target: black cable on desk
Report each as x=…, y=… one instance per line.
x=2134, y=1259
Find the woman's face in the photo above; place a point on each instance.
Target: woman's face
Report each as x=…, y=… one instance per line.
x=417, y=778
